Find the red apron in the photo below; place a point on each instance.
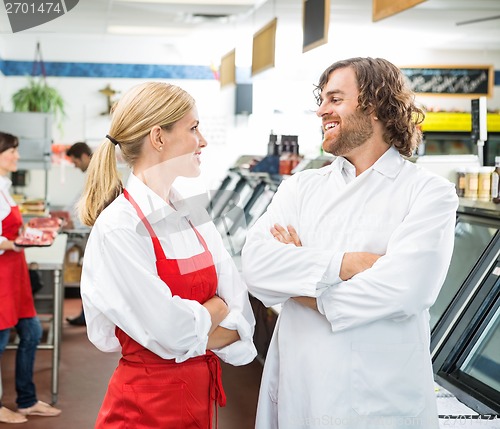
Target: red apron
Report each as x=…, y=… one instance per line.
x=146, y=391
x=16, y=298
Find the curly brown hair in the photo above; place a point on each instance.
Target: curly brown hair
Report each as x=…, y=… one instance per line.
x=384, y=92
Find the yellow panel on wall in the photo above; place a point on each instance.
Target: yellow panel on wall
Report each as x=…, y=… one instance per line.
x=264, y=45
x=458, y=122
x=228, y=69
x=384, y=8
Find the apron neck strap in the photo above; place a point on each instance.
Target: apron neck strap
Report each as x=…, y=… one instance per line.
x=152, y=233
x=143, y=218
x=160, y=254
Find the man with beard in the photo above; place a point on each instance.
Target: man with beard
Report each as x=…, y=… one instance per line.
x=356, y=252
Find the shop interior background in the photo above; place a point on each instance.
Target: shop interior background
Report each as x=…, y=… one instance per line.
x=162, y=33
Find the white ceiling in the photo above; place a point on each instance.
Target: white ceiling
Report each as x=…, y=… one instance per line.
x=434, y=22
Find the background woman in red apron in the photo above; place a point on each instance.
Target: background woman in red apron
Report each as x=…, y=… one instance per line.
x=157, y=282
x=16, y=300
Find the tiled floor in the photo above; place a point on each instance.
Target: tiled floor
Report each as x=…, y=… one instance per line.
x=84, y=374
x=85, y=371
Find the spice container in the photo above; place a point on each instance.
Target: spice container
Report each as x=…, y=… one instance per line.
x=460, y=185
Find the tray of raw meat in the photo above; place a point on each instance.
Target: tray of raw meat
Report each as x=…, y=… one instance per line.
x=35, y=238
x=47, y=224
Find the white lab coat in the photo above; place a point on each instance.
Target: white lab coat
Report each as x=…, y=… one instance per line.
x=120, y=285
x=364, y=362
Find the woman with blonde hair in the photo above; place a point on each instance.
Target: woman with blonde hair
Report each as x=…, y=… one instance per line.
x=157, y=282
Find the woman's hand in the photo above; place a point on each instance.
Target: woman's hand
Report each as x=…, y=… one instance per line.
x=286, y=236
x=9, y=245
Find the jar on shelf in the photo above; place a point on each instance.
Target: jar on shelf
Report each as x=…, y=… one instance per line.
x=460, y=184
x=471, y=182
x=484, y=183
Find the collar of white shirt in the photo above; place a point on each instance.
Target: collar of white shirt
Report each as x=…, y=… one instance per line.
x=389, y=164
x=5, y=184
x=152, y=205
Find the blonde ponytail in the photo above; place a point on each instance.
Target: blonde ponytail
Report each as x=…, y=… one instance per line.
x=102, y=186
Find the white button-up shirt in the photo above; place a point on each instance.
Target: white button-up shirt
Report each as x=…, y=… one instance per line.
x=6, y=204
x=120, y=285
x=362, y=361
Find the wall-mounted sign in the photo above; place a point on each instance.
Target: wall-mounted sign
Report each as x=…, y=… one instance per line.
x=383, y=8
x=315, y=17
x=228, y=69
x=264, y=46
x=459, y=80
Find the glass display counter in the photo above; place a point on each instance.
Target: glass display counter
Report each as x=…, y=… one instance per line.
x=465, y=320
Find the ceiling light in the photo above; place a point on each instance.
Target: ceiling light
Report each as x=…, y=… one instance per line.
x=147, y=31
x=192, y=2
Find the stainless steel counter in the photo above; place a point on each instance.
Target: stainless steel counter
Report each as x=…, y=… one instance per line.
x=52, y=259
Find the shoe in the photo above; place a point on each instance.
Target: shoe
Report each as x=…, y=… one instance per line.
x=77, y=321
x=40, y=409
x=8, y=416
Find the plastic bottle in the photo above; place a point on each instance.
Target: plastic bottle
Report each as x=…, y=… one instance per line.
x=285, y=156
x=460, y=185
x=295, y=157
x=272, y=145
x=495, y=182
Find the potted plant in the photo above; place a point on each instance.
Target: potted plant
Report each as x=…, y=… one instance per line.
x=38, y=96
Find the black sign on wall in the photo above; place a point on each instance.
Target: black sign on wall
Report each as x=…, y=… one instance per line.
x=451, y=80
x=316, y=18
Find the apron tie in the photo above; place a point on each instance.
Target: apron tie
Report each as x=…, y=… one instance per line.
x=217, y=393
x=216, y=390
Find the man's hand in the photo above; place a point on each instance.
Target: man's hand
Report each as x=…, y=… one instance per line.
x=286, y=236
x=355, y=262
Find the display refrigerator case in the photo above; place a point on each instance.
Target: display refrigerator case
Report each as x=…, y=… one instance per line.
x=240, y=200
x=465, y=319
x=459, y=143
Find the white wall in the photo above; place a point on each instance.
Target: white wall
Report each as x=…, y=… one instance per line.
x=282, y=101
x=2, y=77
x=99, y=49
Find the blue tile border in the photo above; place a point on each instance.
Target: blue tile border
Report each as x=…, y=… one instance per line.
x=144, y=71
x=97, y=70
